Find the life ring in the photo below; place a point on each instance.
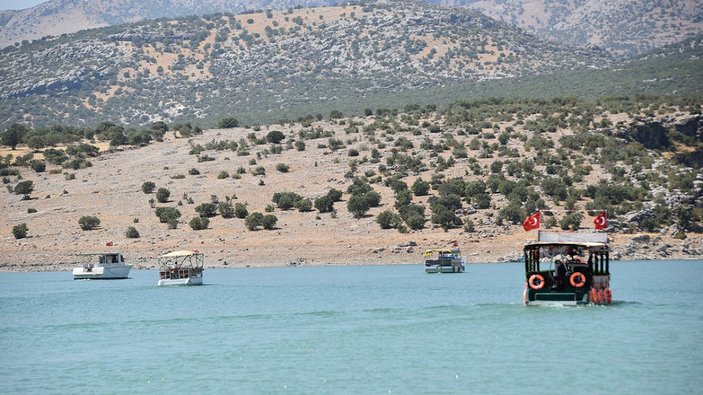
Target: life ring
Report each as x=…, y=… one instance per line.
x=577, y=283
x=536, y=281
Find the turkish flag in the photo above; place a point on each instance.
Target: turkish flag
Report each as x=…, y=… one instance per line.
x=109, y=244
x=601, y=221
x=532, y=222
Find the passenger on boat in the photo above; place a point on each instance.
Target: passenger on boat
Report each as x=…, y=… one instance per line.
x=560, y=274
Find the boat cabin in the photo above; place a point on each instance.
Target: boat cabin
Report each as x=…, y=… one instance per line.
x=567, y=268
x=102, y=265
x=181, y=268
x=444, y=260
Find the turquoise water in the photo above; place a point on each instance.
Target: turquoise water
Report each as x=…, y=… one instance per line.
x=366, y=330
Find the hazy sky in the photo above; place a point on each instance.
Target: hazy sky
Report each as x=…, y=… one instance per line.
x=18, y=4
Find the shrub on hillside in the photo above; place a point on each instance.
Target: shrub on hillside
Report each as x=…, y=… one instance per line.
x=24, y=188
x=240, y=210
x=167, y=214
x=254, y=220
x=148, y=187
x=420, y=187
x=335, y=195
x=358, y=205
x=445, y=218
x=228, y=123
x=89, y=222
x=304, y=205
x=388, y=220
x=275, y=137
x=20, y=231
x=226, y=210
x=285, y=200
x=162, y=195
x=269, y=221
x=206, y=210
x=571, y=221
x=132, y=233
x=38, y=166
x=199, y=223
x=324, y=204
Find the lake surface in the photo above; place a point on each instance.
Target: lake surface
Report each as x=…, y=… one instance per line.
x=351, y=329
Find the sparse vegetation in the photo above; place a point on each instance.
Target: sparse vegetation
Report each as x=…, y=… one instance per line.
x=162, y=195
x=132, y=233
x=20, y=231
x=89, y=222
x=199, y=223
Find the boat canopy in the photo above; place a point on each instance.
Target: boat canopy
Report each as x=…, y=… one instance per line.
x=572, y=238
x=565, y=243
x=178, y=254
x=441, y=251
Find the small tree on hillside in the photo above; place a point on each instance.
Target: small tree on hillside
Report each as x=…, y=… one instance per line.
x=132, y=233
x=89, y=222
x=13, y=135
x=162, y=195
x=420, y=187
x=148, y=187
x=324, y=204
x=20, y=231
x=167, y=214
x=275, y=137
x=207, y=210
x=358, y=205
x=199, y=223
x=240, y=210
x=228, y=123
x=24, y=188
x=254, y=220
x=269, y=221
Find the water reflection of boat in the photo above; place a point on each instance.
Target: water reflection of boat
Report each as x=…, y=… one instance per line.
x=567, y=269
x=181, y=268
x=109, y=266
x=444, y=261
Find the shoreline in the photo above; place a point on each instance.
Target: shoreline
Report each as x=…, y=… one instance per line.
x=501, y=249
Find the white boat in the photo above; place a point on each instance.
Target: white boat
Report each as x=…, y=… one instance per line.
x=109, y=266
x=444, y=261
x=181, y=268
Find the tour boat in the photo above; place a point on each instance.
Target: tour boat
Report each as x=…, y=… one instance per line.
x=444, y=261
x=109, y=266
x=181, y=268
x=567, y=269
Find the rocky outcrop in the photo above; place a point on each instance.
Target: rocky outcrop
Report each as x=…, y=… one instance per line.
x=645, y=247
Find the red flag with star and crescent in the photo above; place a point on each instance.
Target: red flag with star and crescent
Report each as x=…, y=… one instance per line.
x=532, y=222
x=601, y=221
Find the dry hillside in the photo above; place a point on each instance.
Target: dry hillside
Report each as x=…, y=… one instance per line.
x=551, y=155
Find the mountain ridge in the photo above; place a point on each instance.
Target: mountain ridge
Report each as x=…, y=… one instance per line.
x=195, y=67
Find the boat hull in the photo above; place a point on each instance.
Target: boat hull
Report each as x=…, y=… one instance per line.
x=102, y=273
x=181, y=281
x=444, y=269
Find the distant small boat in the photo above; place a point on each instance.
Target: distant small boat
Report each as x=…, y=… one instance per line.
x=109, y=266
x=567, y=269
x=444, y=261
x=181, y=268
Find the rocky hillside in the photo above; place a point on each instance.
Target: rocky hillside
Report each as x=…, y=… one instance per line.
x=211, y=66
x=374, y=189
x=625, y=27
x=57, y=17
